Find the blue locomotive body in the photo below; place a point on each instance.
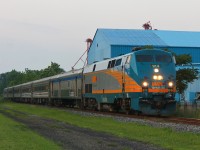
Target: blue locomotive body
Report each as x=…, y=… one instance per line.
x=157, y=76
x=143, y=81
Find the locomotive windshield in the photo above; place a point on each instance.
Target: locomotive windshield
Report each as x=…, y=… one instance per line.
x=151, y=58
x=144, y=58
x=163, y=58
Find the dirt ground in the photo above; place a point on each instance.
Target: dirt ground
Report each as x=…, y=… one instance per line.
x=71, y=137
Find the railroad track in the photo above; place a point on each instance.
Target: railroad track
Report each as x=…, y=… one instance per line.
x=122, y=114
x=190, y=121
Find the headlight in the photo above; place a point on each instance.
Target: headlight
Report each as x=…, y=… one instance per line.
x=160, y=77
x=170, y=84
x=156, y=70
x=145, y=84
x=155, y=77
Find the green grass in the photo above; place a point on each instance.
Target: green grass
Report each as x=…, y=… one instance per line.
x=163, y=137
x=1, y=98
x=17, y=136
x=188, y=112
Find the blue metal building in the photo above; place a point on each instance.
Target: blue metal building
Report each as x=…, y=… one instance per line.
x=108, y=43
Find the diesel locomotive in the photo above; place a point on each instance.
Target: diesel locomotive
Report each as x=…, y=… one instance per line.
x=142, y=81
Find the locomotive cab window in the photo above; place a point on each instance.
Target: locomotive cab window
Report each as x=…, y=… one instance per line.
x=163, y=58
x=94, y=67
x=118, y=62
x=144, y=58
x=109, y=64
x=113, y=63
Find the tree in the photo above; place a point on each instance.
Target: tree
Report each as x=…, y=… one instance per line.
x=14, y=77
x=186, y=75
x=31, y=75
x=3, y=82
x=9, y=79
x=51, y=70
x=183, y=59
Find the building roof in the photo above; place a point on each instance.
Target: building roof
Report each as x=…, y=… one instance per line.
x=161, y=38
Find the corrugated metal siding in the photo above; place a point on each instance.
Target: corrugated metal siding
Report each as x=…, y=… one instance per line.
x=131, y=37
x=192, y=89
x=100, y=49
x=120, y=50
x=179, y=38
x=109, y=43
x=91, y=56
x=194, y=52
x=151, y=37
x=117, y=50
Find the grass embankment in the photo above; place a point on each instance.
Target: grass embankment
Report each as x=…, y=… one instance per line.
x=17, y=136
x=163, y=137
x=1, y=98
x=14, y=135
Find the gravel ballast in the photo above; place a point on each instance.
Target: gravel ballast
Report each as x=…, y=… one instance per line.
x=164, y=124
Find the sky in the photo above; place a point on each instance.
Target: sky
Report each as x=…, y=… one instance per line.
x=34, y=33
